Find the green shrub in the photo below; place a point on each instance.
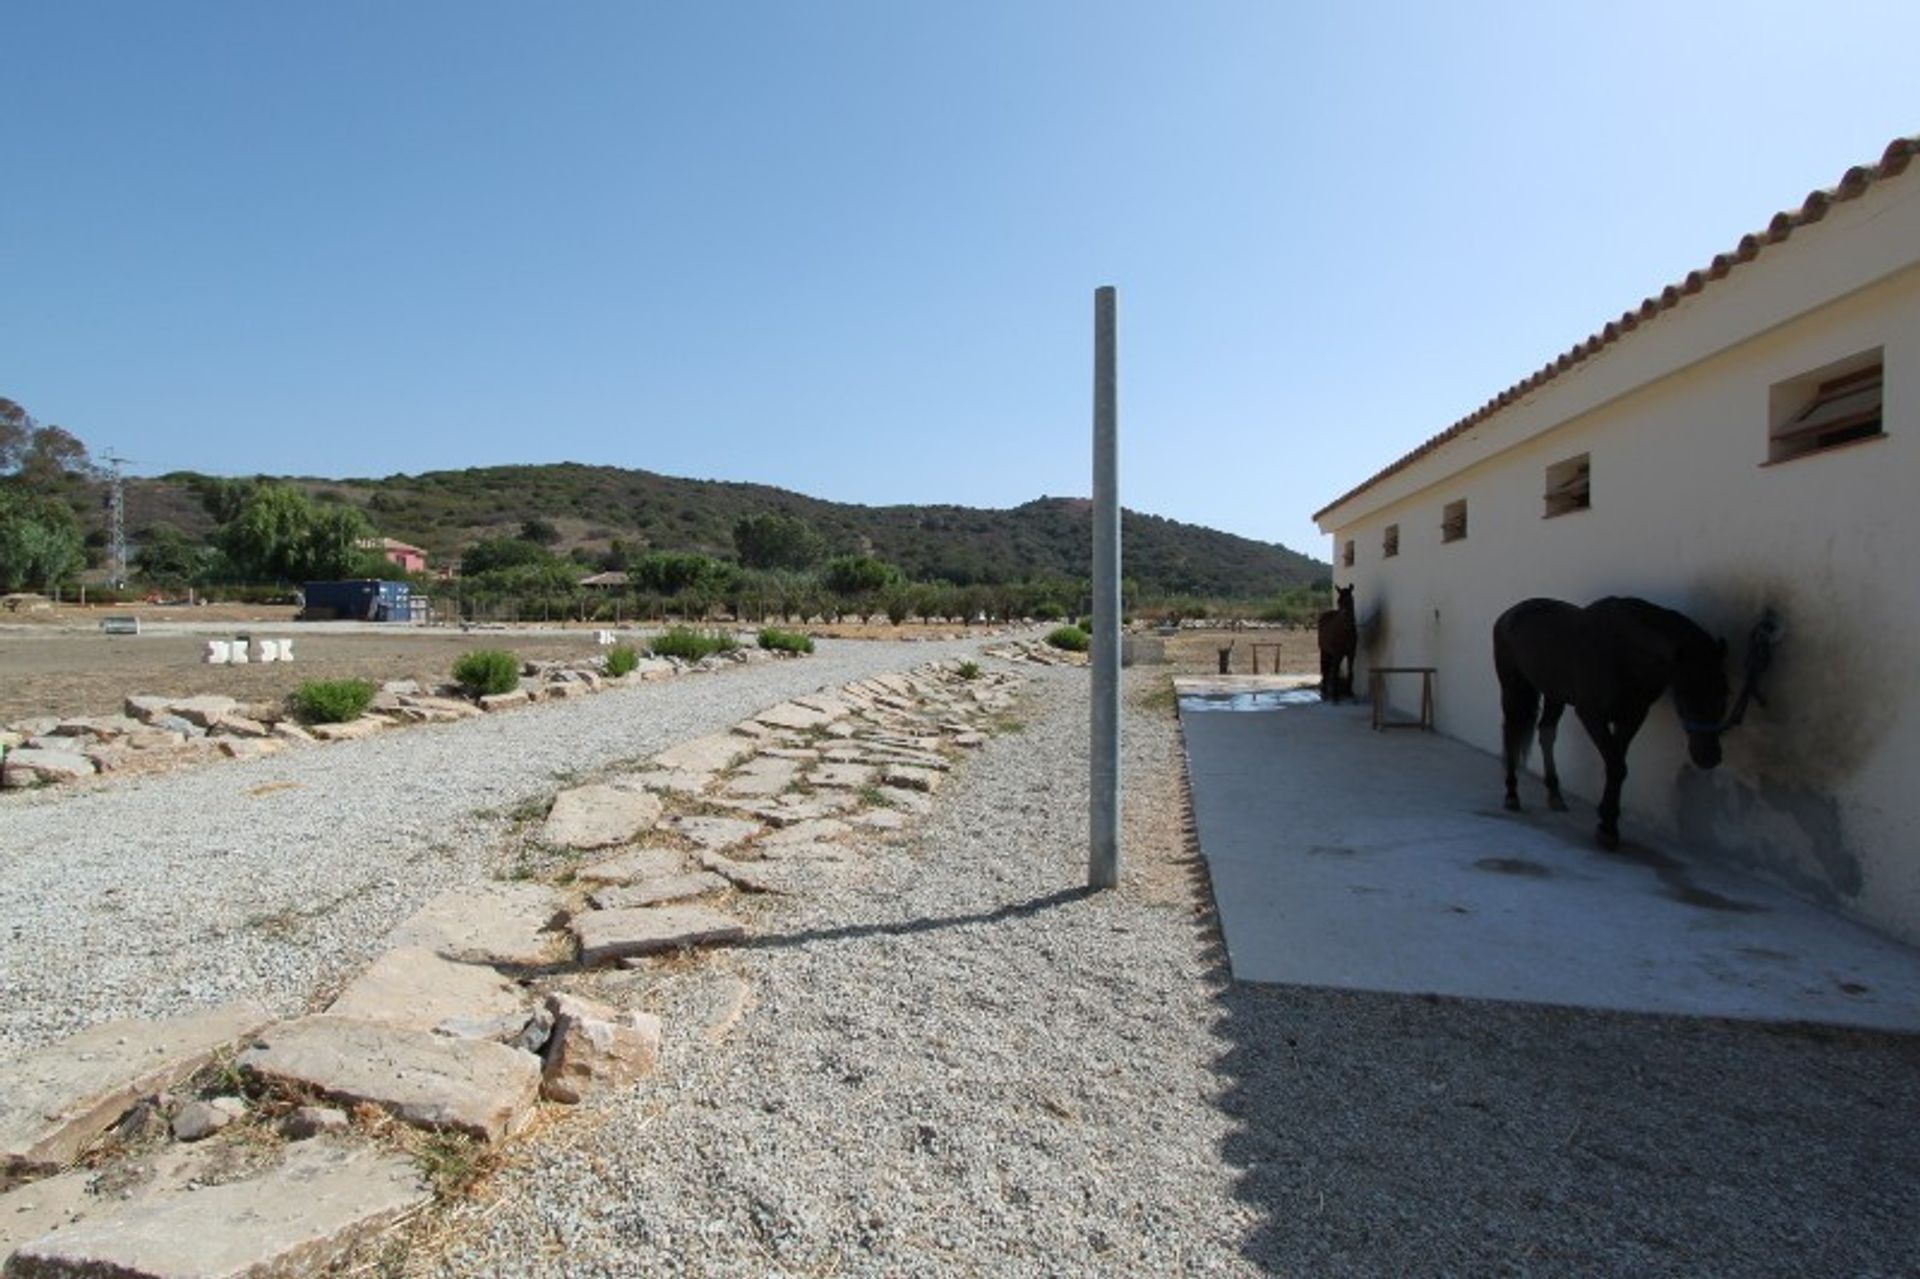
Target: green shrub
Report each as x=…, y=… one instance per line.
x=621, y=659
x=779, y=641
x=487, y=670
x=968, y=670
x=1070, y=638
x=691, y=645
x=332, y=701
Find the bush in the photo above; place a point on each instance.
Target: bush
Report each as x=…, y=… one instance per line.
x=969, y=670
x=332, y=701
x=487, y=670
x=691, y=645
x=779, y=641
x=621, y=659
x=1070, y=638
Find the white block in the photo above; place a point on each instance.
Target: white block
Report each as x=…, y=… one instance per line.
x=286, y=650
x=218, y=651
x=237, y=653
x=269, y=651
x=604, y=637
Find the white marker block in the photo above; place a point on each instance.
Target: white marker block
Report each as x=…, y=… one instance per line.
x=269, y=651
x=286, y=650
x=217, y=652
x=237, y=653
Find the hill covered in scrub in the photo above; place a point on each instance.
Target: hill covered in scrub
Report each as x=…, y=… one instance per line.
x=599, y=510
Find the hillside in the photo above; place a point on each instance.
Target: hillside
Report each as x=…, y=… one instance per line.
x=592, y=506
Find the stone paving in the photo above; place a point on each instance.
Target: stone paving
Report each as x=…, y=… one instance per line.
x=467, y=1024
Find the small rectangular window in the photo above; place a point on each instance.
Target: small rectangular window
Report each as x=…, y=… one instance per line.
x=1346, y=553
x=1826, y=408
x=1569, y=486
x=1390, y=542
x=1453, y=521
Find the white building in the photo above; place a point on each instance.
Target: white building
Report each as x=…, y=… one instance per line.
x=1749, y=438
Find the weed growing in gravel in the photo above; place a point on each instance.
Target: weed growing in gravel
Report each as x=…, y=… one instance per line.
x=968, y=670
x=691, y=645
x=487, y=670
x=621, y=660
x=331, y=701
x=1070, y=639
x=529, y=810
x=453, y=1163
x=776, y=640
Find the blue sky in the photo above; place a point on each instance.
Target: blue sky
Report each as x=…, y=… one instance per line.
x=850, y=249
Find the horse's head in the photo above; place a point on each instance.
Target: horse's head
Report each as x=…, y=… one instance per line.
x=1343, y=598
x=1700, y=695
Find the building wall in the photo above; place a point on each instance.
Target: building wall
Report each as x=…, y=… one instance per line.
x=1821, y=788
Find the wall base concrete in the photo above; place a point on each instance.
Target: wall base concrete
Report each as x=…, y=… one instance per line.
x=1356, y=859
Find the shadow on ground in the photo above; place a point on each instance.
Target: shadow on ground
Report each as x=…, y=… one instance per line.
x=1412, y=1135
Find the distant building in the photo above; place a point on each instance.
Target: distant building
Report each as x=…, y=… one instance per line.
x=411, y=559
x=1747, y=439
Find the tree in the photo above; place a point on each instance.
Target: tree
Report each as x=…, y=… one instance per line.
x=167, y=558
x=492, y=554
x=538, y=531
x=16, y=428
x=277, y=533
x=852, y=575
x=39, y=541
x=772, y=541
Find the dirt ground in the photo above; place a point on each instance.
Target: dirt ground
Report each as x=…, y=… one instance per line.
x=1282, y=651
x=57, y=662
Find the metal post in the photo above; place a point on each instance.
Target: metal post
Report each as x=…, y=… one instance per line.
x=1103, y=862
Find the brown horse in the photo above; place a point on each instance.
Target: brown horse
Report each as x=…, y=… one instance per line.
x=1339, y=638
x=1610, y=661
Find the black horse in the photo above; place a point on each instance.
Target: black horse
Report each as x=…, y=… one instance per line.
x=1610, y=661
x=1339, y=639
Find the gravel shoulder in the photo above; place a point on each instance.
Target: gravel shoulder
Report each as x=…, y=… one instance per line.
x=962, y=1064
x=952, y=1060
x=273, y=879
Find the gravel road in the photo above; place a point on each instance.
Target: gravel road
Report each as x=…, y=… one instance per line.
x=962, y=1065
x=273, y=879
x=958, y=1063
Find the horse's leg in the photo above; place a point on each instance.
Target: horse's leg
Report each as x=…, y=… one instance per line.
x=1519, y=707
x=1549, y=733
x=1612, y=738
x=1327, y=667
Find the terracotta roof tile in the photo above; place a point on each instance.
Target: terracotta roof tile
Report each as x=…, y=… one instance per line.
x=1853, y=183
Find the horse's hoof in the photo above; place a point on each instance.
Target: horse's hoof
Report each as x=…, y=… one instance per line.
x=1609, y=839
x=1556, y=803
x=1513, y=803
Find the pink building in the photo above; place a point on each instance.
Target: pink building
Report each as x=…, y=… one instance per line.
x=411, y=559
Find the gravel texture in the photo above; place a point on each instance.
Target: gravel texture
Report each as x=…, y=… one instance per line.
x=951, y=1060
x=277, y=878
x=961, y=1064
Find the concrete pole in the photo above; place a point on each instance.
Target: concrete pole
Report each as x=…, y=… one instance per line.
x=1103, y=862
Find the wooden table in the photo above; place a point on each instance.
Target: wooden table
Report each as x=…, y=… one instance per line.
x=1377, y=694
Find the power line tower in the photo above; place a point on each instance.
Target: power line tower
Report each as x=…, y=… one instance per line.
x=116, y=521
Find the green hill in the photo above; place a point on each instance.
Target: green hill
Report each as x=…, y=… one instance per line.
x=593, y=506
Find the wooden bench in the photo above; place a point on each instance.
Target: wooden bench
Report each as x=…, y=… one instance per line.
x=1377, y=694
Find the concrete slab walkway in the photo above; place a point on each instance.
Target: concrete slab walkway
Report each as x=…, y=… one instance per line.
x=1348, y=858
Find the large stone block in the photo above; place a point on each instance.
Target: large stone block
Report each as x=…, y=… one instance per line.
x=56, y=1100
x=609, y=935
x=27, y=767
x=417, y=989
x=500, y=923
x=474, y=1086
x=599, y=817
x=711, y=754
x=655, y=892
x=594, y=1046
x=293, y=1220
